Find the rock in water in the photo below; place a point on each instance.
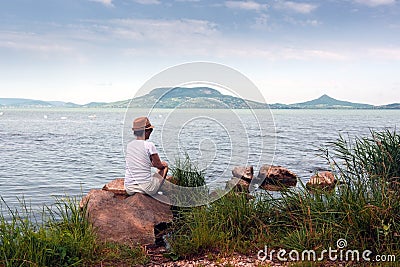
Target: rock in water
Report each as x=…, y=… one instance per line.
x=241, y=179
x=276, y=177
x=237, y=185
x=125, y=219
x=272, y=177
x=322, y=180
x=243, y=172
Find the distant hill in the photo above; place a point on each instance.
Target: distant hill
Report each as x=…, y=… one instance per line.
x=199, y=97
x=326, y=101
x=94, y=105
x=390, y=106
x=22, y=102
x=63, y=104
x=31, y=103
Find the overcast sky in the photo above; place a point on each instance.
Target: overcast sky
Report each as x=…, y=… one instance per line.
x=104, y=50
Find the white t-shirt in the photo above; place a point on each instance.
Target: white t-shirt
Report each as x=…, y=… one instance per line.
x=138, y=163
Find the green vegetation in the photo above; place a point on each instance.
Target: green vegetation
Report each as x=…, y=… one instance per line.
x=365, y=211
x=193, y=190
x=185, y=173
x=62, y=237
x=368, y=159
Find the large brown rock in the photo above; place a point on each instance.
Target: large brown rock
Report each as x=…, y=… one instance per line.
x=125, y=219
x=276, y=177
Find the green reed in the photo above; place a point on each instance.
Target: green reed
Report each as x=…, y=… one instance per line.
x=187, y=174
x=62, y=237
x=374, y=157
x=365, y=210
x=222, y=225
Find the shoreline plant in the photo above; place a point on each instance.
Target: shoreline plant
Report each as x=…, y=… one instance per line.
x=365, y=210
x=62, y=236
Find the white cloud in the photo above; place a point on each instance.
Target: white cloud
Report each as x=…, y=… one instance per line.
x=31, y=42
x=104, y=2
x=169, y=38
x=303, y=8
x=323, y=54
x=308, y=22
x=160, y=34
x=226, y=48
x=384, y=53
x=262, y=22
x=246, y=5
x=148, y=2
x=374, y=3
x=142, y=36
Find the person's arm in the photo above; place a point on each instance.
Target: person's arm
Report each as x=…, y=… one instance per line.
x=155, y=160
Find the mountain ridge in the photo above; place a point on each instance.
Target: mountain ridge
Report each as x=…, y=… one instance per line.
x=197, y=97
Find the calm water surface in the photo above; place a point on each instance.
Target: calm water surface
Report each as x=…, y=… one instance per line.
x=47, y=153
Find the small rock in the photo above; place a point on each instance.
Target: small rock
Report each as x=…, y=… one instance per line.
x=276, y=177
x=237, y=185
x=324, y=180
x=243, y=172
x=242, y=176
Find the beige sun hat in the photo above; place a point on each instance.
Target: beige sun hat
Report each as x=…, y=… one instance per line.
x=142, y=123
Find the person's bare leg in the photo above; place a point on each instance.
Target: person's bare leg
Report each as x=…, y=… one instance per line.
x=163, y=174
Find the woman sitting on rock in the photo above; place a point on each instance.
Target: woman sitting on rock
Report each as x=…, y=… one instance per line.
x=141, y=156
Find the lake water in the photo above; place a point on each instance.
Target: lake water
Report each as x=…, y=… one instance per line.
x=47, y=152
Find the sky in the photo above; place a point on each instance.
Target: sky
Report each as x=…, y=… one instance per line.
x=293, y=51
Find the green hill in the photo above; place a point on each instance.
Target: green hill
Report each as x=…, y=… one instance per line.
x=31, y=103
x=326, y=101
x=390, y=106
x=181, y=97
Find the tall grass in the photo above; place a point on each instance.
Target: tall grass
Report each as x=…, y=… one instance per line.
x=192, y=190
x=62, y=236
x=365, y=211
x=370, y=166
x=229, y=223
x=374, y=158
x=187, y=174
